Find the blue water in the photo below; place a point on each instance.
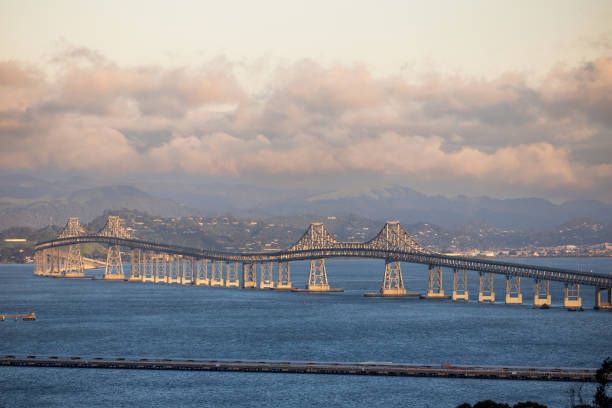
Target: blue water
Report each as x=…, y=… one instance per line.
x=121, y=319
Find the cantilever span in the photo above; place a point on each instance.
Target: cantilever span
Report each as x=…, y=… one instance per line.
x=162, y=263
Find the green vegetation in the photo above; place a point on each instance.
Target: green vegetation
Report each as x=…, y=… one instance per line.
x=600, y=399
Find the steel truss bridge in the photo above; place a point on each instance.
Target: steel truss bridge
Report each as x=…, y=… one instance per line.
x=161, y=263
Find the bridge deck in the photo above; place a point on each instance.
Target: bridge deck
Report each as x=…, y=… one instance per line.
x=361, y=368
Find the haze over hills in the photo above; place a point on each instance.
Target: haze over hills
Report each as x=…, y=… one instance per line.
x=32, y=202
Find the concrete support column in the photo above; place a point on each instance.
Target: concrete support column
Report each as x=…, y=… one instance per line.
x=284, y=276
x=572, y=299
x=232, y=281
x=460, y=291
x=216, y=275
x=162, y=275
x=393, y=281
x=485, y=290
x=542, y=294
x=266, y=278
x=188, y=271
x=434, y=289
x=148, y=273
x=317, y=279
x=513, y=290
x=603, y=303
x=201, y=276
x=249, y=275
x=135, y=266
x=174, y=274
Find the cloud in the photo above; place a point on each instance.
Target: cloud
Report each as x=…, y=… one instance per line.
x=313, y=123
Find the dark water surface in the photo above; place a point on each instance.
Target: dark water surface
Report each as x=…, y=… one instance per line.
x=119, y=319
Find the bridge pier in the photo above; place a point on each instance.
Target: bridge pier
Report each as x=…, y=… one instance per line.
x=249, y=275
x=266, y=280
x=393, y=282
x=485, y=290
x=284, y=276
x=599, y=303
x=188, y=271
x=572, y=299
x=513, y=290
x=56, y=268
x=460, y=291
x=135, y=266
x=216, y=274
x=74, y=263
x=148, y=273
x=37, y=263
x=114, y=266
x=174, y=273
x=232, y=281
x=160, y=273
x=317, y=279
x=542, y=294
x=434, y=289
x=201, y=273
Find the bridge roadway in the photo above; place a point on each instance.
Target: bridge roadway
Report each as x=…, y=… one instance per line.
x=353, y=250
x=305, y=367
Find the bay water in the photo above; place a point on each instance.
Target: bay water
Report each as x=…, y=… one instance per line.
x=94, y=318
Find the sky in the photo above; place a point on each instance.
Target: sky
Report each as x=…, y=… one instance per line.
x=498, y=98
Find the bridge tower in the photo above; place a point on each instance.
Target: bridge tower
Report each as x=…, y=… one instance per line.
x=201, y=272
x=266, y=280
x=114, y=228
x=393, y=282
x=216, y=274
x=485, y=288
x=460, y=290
x=572, y=299
x=601, y=304
x=73, y=267
x=249, y=275
x=317, y=279
x=542, y=294
x=233, y=280
x=434, y=290
x=513, y=290
x=284, y=276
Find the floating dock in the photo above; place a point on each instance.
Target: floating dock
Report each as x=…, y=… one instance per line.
x=307, y=367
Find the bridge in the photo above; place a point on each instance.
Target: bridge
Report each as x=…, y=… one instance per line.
x=311, y=367
x=171, y=264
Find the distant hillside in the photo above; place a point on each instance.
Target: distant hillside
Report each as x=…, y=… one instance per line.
x=410, y=206
x=85, y=204
x=27, y=201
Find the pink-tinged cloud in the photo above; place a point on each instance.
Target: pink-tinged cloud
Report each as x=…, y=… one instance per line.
x=311, y=123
